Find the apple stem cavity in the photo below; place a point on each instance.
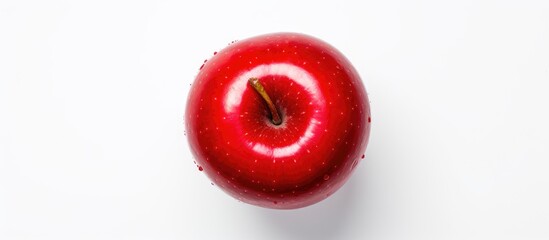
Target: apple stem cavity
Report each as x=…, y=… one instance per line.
x=276, y=120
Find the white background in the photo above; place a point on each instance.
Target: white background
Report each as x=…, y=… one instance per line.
x=92, y=96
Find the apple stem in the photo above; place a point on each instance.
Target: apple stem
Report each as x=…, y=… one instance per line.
x=259, y=89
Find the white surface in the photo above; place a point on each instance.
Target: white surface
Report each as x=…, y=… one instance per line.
x=92, y=96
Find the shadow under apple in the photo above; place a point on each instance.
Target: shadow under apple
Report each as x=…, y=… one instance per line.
x=327, y=219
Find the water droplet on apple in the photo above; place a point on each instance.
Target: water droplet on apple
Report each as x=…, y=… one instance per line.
x=201, y=67
x=275, y=202
x=200, y=168
x=363, y=156
x=215, y=53
x=326, y=177
x=369, y=119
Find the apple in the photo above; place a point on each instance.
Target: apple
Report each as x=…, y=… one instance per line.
x=279, y=120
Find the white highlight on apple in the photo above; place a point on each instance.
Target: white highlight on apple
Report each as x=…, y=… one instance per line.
x=233, y=98
x=290, y=149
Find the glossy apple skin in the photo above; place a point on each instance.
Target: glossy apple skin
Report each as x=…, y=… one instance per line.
x=325, y=113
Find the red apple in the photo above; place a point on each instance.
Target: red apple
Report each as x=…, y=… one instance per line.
x=296, y=160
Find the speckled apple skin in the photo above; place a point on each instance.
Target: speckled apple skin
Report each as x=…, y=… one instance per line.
x=325, y=120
